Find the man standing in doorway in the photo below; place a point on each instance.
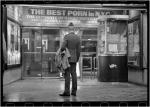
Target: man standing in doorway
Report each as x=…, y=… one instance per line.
x=72, y=42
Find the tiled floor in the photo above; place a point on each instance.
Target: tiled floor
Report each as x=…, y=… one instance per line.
x=88, y=90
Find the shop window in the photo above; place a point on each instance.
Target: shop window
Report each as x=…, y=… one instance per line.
x=50, y=40
x=13, y=43
x=134, y=54
x=89, y=41
x=116, y=38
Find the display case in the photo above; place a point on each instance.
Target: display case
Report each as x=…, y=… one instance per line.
x=112, y=49
x=116, y=37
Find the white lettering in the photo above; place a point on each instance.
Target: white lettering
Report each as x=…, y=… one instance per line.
x=69, y=13
x=59, y=12
x=101, y=13
x=47, y=12
x=32, y=11
x=54, y=12
x=37, y=11
x=85, y=14
x=50, y=12
x=91, y=14
x=63, y=12
x=75, y=13
x=82, y=13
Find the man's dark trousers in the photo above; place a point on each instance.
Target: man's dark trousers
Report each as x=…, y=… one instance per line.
x=71, y=70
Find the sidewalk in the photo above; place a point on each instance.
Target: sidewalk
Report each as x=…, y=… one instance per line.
x=88, y=90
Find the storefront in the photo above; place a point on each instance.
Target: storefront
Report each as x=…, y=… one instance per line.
x=43, y=31
x=104, y=40
x=51, y=26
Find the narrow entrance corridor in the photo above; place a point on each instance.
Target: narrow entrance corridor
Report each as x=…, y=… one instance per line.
x=108, y=42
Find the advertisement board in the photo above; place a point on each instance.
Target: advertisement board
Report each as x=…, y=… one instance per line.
x=60, y=17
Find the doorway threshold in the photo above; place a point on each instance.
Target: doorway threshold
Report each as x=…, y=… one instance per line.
x=41, y=77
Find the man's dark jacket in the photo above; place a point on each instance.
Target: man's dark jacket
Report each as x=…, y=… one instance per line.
x=72, y=42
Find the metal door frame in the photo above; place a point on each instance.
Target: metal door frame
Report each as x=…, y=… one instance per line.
x=85, y=53
x=41, y=34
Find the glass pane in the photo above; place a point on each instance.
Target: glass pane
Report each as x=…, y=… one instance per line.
x=89, y=46
x=134, y=43
x=13, y=42
x=48, y=65
x=89, y=41
x=87, y=63
x=89, y=51
x=50, y=45
x=101, y=38
x=116, y=36
x=50, y=40
x=31, y=50
x=89, y=34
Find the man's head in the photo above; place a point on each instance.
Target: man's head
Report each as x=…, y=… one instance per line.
x=71, y=27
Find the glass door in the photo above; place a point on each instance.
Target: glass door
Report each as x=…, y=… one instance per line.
x=89, y=53
x=31, y=52
x=39, y=46
x=50, y=45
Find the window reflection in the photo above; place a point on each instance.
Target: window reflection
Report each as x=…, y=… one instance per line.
x=89, y=46
x=38, y=48
x=89, y=41
x=13, y=42
x=50, y=40
x=134, y=43
x=89, y=52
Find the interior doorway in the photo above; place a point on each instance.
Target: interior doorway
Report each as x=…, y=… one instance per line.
x=89, y=53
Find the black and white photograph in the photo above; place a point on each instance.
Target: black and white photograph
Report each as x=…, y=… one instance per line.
x=75, y=53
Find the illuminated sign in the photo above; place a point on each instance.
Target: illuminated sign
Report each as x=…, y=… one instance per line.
x=60, y=17
x=65, y=12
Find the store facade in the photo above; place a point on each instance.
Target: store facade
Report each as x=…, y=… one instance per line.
x=49, y=25
x=104, y=40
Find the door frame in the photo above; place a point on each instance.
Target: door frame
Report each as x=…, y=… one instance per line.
x=22, y=68
x=85, y=53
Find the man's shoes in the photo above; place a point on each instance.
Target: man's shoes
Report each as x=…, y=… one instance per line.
x=64, y=94
x=73, y=94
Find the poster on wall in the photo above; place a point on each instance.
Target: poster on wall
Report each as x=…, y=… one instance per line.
x=13, y=42
x=113, y=48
